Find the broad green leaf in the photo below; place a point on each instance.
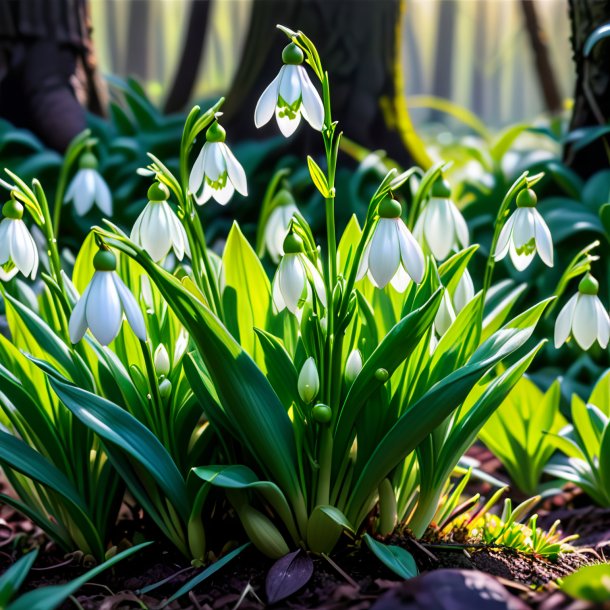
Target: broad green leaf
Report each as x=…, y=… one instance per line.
x=589, y=583
x=318, y=177
x=13, y=578
x=395, y=558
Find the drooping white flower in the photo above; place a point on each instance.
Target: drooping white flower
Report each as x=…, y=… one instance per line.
x=309, y=381
x=103, y=304
x=584, y=317
x=158, y=229
x=464, y=292
x=440, y=226
x=278, y=223
x=161, y=361
x=392, y=255
x=291, y=283
x=524, y=234
x=216, y=172
x=88, y=187
x=17, y=246
x=451, y=305
x=290, y=95
x=353, y=366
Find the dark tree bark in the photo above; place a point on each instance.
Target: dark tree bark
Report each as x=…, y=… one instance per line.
x=542, y=60
x=359, y=41
x=190, y=60
x=592, y=92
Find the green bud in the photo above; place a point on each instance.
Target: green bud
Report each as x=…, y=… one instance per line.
x=263, y=534
x=381, y=375
x=321, y=413
x=88, y=161
x=526, y=199
x=13, y=209
x=165, y=389
x=293, y=244
x=588, y=285
x=283, y=197
x=158, y=192
x=292, y=54
x=215, y=133
x=196, y=538
x=309, y=381
x=353, y=366
x=161, y=359
x=104, y=260
x=389, y=208
x=441, y=189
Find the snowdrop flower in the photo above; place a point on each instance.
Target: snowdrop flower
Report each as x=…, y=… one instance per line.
x=353, y=366
x=290, y=95
x=157, y=229
x=291, y=283
x=309, y=381
x=441, y=226
x=216, y=172
x=583, y=317
x=524, y=234
x=161, y=361
x=392, y=255
x=102, y=305
x=88, y=187
x=17, y=246
x=276, y=229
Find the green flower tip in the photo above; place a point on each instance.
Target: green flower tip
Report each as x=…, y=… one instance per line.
x=283, y=197
x=215, y=133
x=526, y=199
x=88, y=161
x=381, y=375
x=321, y=413
x=104, y=260
x=293, y=244
x=441, y=188
x=292, y=54
x=390, y=208
x=12, y=209
x=588, y=285
x=158, y=192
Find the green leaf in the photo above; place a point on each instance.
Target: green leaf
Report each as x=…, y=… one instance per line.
x=13, y=578
x=397, y=559
x=318, y=177
x=49, y=598
x=589, y=583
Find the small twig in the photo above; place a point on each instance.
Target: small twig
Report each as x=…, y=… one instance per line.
x=342, y=572
x=248, y=589
x=54, y=567
x=423, y=549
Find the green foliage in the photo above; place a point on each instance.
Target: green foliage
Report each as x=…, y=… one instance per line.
x=589, y=583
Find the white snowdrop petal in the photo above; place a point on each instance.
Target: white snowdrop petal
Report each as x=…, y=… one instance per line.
x=236, y=172
x=384, y=255
x=77, y=326
x=265, y=106
x=158, y=238
x=563, y=324
x=214, y=163
x=318, y=282
x=103, y=310
x=135, y=230
x=102, y=195
x=504, y=239
x=363, y=267
x=22, y=247
x=84, y=196
x=290, y=84
x=4, y=249
x=223, y=195
x=523, y=230
x=287, y=126
x=205, y=193
x=603, y=324
x=544, y=241
x=177, y=233
x=460, y=226
x=196, y=175
x=464, y=292
x=292, y=281
x=445, y=315
x=584, y=324
x=132, y=310
x=410, y=252
x=520, y=260
x=312, y=109
x=438, y=228
x=278, y=299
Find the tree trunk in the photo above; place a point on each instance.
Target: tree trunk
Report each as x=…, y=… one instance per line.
x=359, y=42
x=592, y=92
x=190, y=60
x=540, y=50
x=138, y=39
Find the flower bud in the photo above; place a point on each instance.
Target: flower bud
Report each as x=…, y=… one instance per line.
x=321, y=413
x=353, y=366
x=104, y=260
x=381, y=375
x=588, y=285
x=309, y=381
x=162, y=364
x=165, y=389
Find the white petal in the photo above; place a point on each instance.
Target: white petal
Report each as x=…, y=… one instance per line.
x=84, y=195
x=224, y=194
x=504, y=239
x=278, y=299
x=22, y=248
x=603, y=324
x=460, y=226
x=266, y=103
x=287, y=126
x=410, y=253
x=563, y=324
x=318, y=282
x=464, y=292
x=102, y=195
x=445, y=315
x=103, y=308
x=290, y=84
x=523, y=230
x=544, y=241
x=132, y=310
x=584, y=324
x=364, y=262
x=156, y=236
x=214, y=162
x=236, y=172
x=178, y=234
x=520, y=261
x=384, y=256
x=205, y=193
x=439, y=229
x=196, y=176
x=4, y=248
x=292, y=281
x=312, y=109
x=77, y=326
x=135, y=234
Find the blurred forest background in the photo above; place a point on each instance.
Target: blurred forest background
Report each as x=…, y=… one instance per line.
x=475, y=53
